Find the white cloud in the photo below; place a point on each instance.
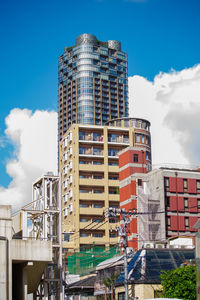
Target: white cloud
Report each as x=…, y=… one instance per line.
x=172, y=104
x=34, y=136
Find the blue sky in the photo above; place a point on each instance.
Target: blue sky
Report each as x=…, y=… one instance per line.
x=158, y=35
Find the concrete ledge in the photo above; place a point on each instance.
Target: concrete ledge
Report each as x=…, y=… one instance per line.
x=31, y=250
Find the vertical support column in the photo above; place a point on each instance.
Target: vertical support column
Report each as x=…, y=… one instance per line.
x=106, y=188
x=59, y=230
x=24, y=225
x=25, y=284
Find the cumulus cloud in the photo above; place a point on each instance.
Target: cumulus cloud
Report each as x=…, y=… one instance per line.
x=172, y=104
x=34, y=137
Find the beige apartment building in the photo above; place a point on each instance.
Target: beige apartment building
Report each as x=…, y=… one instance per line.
x=90, y=184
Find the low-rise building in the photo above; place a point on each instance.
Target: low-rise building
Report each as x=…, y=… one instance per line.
x=166, y=201
x=22, y=261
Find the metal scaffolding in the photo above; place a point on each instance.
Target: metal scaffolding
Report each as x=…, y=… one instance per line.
x=41, y=219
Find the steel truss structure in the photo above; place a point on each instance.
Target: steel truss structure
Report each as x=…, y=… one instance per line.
x=41, y=219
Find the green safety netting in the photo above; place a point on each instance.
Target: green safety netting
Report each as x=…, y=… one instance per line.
x=84, y=262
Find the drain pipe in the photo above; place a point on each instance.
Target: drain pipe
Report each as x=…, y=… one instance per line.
x=3, y=238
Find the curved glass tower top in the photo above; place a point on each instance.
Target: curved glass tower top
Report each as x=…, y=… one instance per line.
x=93, y=85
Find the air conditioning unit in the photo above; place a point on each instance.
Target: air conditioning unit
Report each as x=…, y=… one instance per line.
x=160, y=246
x=70, y=208
x=70, y=193
x=65, y=197
x=65, y=156
x=148, y=245
x=70, y=136
x=65, y=142
x=65, y=183
x=65, y=212
x=70, y=179
x=70, y=165
x=70, y=150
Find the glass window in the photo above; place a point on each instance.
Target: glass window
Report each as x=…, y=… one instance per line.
x=186, y=203
x=168, y=202
x=186, y=223
x=198, y=185
x=83, y=220
x=66, y=237
x=166, y=182
x=84, y=205
x=135, y=158
x=185, y=185
x=98, y=205
x=137, y=138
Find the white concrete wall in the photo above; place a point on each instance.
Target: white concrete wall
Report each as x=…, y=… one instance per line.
x=31, y=250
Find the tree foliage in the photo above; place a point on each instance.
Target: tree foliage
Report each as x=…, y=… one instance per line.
x=180, y=283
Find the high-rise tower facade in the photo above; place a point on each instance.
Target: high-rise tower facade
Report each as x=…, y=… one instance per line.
x=93, y=85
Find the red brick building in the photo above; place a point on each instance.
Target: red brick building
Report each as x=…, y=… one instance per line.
x=168, y=198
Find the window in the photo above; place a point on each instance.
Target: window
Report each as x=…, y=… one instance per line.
x=185, y=185
x=66, y=237
x=198, y=204
x=98, y=235
x=121, y=296
x=168, y=222
x=135, y=158
x=185, y=203
x=83, y=205
x=139, y=181
x=168, y=202
x=113, y=235
x=82, y=234
x=97, y=221
x=198, y=186
x=98, y=191
x=83, y=220
x=186, y=223
x=166, y=182
x=97, y=177
x=137, y=138
x=95, y=162
x=113, y=177
x=98, y=205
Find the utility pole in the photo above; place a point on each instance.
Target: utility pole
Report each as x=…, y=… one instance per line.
x=122, y=230
x=125, y=245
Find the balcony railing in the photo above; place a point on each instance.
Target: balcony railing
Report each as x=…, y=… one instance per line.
x=118, y=139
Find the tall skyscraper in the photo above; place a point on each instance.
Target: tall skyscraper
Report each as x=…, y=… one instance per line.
x=93, y=86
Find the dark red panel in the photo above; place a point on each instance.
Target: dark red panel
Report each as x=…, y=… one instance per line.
x=192, y=203
x=172, y=184
x=192, y=188
x=192, y=222
x=181, y=204
x=180, y=185
x=173, y=203
x=174, y=223
x=181, y=223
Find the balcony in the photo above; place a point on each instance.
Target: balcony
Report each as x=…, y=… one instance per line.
x=93, y=196
x=118, y=139
x=90, y=137
x=91, y=167
x=113, y=197
x=114, y=183
x=92, y=182
x=90, y=152
x=91, y=211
